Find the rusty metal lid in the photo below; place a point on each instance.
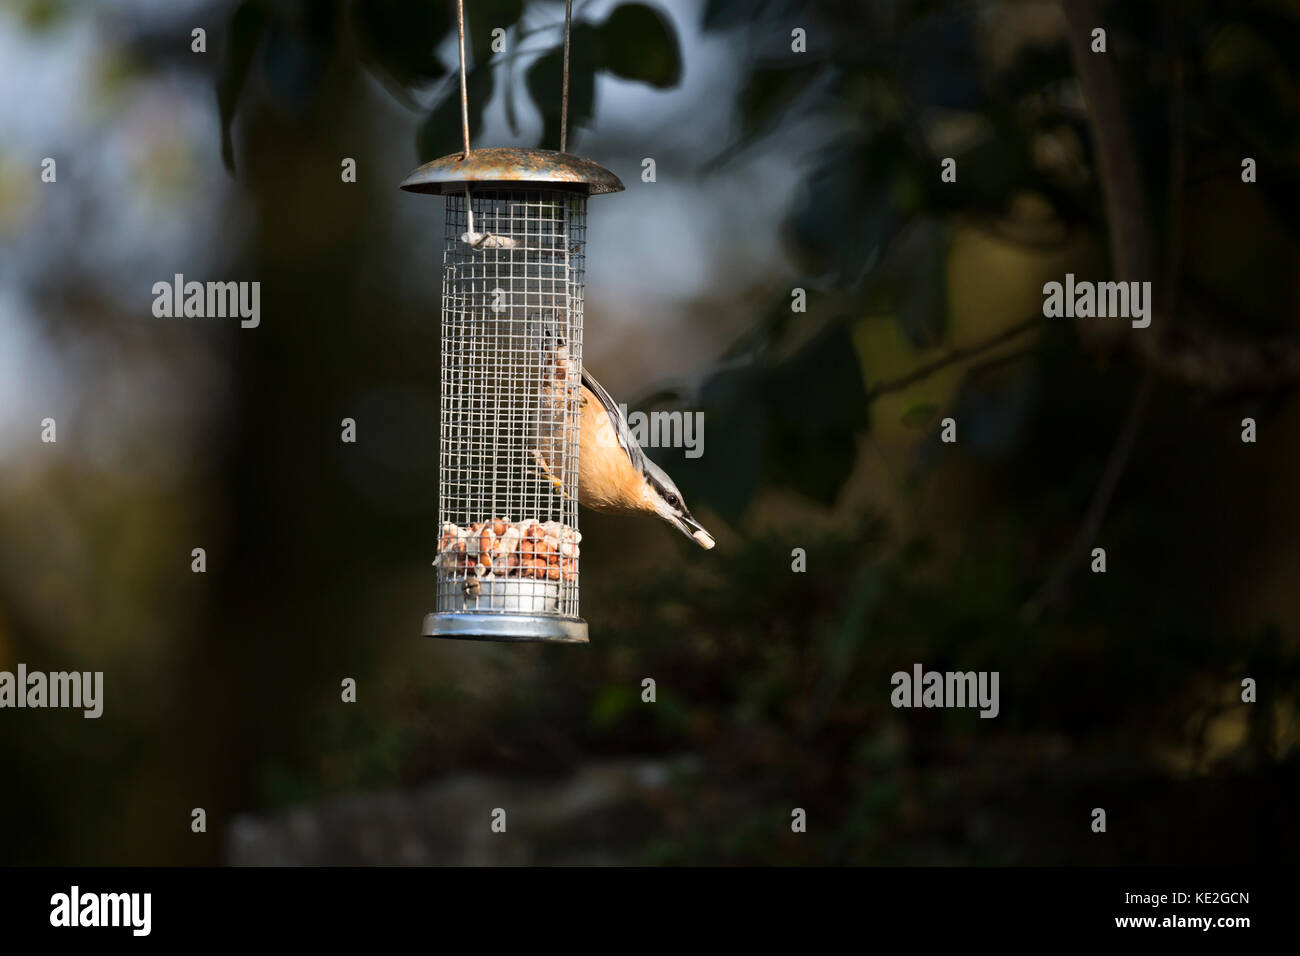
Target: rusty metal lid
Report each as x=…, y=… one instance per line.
x=511, y=165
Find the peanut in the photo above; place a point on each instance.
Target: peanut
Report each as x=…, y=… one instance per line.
x=540, y=550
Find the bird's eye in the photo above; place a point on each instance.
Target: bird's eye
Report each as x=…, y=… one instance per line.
x=673, y=501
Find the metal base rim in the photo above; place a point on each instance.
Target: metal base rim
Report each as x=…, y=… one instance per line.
x=516, y=628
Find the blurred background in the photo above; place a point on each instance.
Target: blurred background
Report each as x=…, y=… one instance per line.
x=775, y=170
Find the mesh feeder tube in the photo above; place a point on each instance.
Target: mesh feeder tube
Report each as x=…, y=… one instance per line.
x=508, y=547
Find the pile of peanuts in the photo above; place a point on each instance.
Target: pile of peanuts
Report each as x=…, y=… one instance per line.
x=546, y=550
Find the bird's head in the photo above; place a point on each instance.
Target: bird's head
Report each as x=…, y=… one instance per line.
x=665, y=499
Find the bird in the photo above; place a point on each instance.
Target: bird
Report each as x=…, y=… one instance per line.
x=615, y=476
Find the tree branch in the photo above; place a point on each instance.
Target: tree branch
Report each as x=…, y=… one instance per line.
x=1196, y=356
x=1121, y=177
x=956, y=355
x=1120, y=452
x=1130, y=247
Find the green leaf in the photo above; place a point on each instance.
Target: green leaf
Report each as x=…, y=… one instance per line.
x=817, y=406
x=545, y=85
x=1276, y=28
x=815, y=463
x=920, y=416
x=248, y=25
x=992, y=172
x=43, y=15
x=844, y=218
x=440, y=133
x=919, y=260
x=398, y=39
x=824, y=376
x=638, y=42
x=612, y=704
x=728, y=475
x=794, y=423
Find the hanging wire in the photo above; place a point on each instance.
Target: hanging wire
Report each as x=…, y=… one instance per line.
x=564, y=90
x=564, y=95
x=464, y=93
x=464, y=110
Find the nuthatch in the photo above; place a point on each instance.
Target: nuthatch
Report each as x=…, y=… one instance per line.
x=614, y=474
x=617, y=476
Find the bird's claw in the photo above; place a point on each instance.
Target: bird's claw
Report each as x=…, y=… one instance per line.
x=547, y=474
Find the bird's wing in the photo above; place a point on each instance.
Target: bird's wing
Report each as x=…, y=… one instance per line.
x=621, y=429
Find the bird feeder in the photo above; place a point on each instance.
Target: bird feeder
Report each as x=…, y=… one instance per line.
x=510, y=382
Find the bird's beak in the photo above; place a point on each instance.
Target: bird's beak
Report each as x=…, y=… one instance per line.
x=693, y=529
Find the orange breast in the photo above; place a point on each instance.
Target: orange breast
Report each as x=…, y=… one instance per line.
x=606, y=479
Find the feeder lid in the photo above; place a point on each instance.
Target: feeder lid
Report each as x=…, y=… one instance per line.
x=511, y=165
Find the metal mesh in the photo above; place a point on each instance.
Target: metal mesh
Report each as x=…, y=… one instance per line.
x=511, y=399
